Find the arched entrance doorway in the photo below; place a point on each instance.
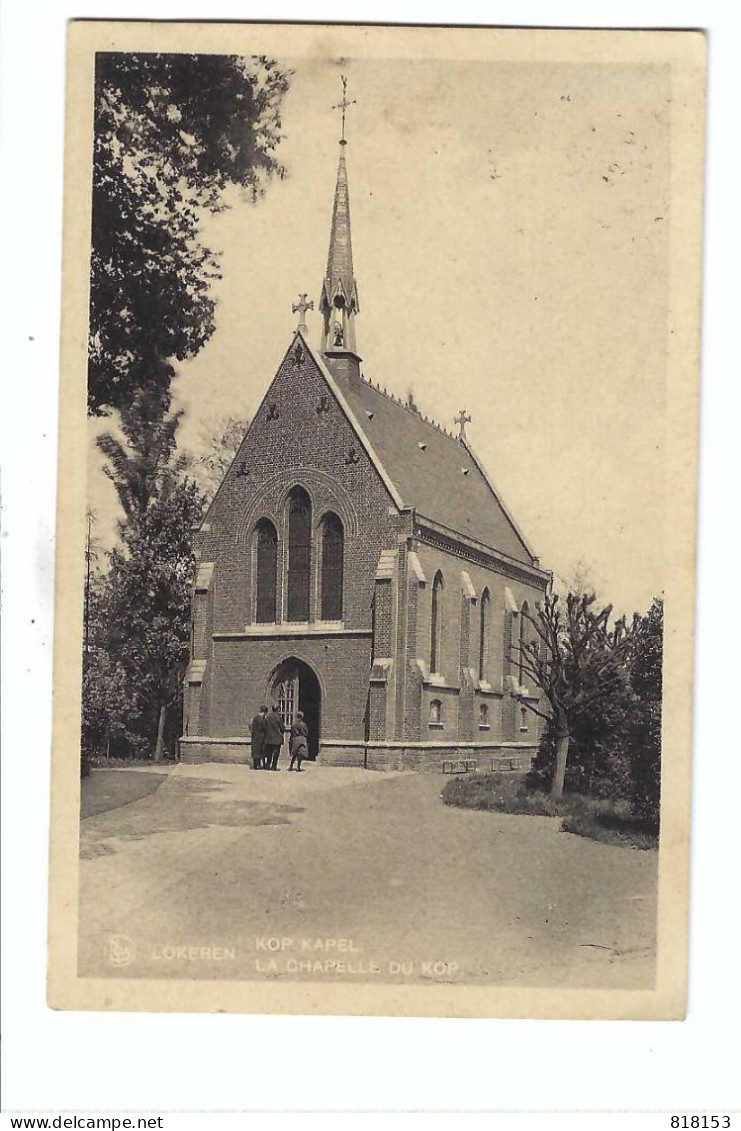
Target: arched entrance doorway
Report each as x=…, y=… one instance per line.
x=294, y=687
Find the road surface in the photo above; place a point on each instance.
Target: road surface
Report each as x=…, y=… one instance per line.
x=336, y=873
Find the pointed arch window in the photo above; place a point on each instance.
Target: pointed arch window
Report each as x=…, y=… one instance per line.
x=484, y=617
x=524, y=612
x=266, y=568
x=333, y=553
x=436, y=623
x=299, y=555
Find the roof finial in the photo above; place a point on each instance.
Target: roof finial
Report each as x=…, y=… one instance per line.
x=343, y=105
x=462, y=419
x=301, y=307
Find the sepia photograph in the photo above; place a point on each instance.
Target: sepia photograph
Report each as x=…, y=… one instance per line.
x=376, y=521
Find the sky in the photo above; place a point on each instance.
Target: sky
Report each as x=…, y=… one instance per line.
x=510, y=230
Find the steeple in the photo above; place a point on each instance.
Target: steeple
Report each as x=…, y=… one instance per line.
x=339, y=299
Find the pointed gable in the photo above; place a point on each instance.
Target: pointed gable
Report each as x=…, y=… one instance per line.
x=286, y=427
x=419, y=464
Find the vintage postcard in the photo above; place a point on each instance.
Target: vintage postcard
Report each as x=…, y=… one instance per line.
x=376, y=523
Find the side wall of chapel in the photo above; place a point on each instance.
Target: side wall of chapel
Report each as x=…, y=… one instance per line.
x=465, y=708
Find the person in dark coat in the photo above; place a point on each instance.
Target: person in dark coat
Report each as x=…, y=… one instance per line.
x=273, y=738
x=257, y=732
x=298, y=743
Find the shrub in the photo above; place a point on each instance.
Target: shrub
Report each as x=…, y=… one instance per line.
x=599, y=763
x=611, y=822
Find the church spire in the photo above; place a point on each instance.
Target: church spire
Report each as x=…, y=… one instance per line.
x=339, y=300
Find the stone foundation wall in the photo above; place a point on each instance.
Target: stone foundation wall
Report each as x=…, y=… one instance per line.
x=193, y=749
x=349, y=755
x=437, y=759
x=423, y=758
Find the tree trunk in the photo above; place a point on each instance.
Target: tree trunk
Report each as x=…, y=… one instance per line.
x=159, y=749
x=559, y=775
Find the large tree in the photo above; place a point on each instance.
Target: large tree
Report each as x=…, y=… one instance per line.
x=578, y=659
x=143, y=462
x=149, y=592
x=171, y=132
x=150, y=573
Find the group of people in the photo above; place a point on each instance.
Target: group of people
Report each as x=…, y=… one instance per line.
x=267, y=730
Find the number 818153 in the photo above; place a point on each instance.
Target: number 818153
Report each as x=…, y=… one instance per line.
x=700, y=1121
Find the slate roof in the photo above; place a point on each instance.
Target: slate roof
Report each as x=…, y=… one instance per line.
x=426, y=466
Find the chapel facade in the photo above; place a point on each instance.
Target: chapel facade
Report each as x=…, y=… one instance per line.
x=358, y=565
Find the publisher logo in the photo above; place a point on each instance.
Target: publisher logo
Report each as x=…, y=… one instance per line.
x=120, y=950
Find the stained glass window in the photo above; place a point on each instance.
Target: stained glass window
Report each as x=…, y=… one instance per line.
x=523, y=641
x=266, y=563
x=299, y=554
x=484, y=637
x=436, y=623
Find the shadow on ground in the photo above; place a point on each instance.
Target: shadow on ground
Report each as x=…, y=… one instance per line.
x=181, y=804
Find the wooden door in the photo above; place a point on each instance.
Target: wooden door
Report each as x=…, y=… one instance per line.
x=287, y=699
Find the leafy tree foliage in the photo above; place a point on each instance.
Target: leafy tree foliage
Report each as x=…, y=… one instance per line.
x=109, y=716
x=171, y=133
x=603, y=687
x=141, y=607
x=149, y=591
x=578, y=661
x=599, y=757
x=646, y=662
x=142, y=462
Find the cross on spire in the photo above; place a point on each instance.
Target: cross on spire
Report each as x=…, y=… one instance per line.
x=300, y=308
x=462, y=419
x=343, y=105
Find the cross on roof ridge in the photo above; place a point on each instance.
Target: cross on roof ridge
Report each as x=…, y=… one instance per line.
x=462, y=419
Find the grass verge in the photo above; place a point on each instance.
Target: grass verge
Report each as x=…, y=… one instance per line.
x=102, y=790
x=607, y=821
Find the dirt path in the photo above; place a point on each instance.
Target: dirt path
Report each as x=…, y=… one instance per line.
x=226, y=873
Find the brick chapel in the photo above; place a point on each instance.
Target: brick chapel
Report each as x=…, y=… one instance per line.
x=358, y=565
